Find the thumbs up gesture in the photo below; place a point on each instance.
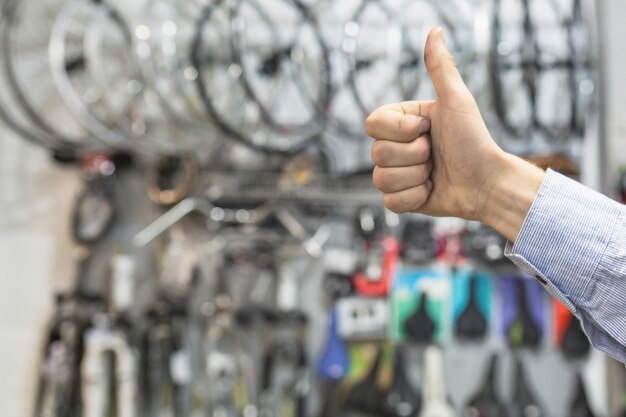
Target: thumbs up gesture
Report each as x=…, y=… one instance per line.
x=437, y=157
x=429, y=154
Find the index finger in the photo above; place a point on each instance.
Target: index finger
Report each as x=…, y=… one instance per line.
x=389, y=124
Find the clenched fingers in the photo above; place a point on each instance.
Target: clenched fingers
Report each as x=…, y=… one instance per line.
x=386, y=153
x=391, y=180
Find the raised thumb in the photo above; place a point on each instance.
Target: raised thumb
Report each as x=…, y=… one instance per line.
x=442, y=69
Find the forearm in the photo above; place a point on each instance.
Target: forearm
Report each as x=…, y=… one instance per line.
x=509, y=196
x=569, y=238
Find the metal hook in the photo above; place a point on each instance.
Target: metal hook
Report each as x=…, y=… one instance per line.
x=312, y=244
x=171, y=217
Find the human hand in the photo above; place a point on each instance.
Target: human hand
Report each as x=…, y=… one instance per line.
x=438, y=158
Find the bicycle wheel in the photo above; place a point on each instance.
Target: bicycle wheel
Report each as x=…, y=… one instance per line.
x=108, y=92
x=542, y=72
x=165, y=61
x=26, y=27
x=69, y=62
x=267, y=90
x=373, y=46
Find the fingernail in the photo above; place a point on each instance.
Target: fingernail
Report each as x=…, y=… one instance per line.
x=429, y=185
x=424, y=125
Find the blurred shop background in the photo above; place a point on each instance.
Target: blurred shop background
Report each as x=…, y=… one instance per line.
x=188, y=226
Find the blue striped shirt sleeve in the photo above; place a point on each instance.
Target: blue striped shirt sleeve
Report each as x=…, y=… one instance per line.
x=574, y=242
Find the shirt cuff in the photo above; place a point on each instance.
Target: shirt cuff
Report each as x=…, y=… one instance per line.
x=562, y=243
x=565, y=235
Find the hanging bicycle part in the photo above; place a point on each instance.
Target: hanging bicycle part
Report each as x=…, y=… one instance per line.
x=362, y=318
x=311, y=243
x=487, y=402
x=279, y=71
x=362, y=32
x=71, y=55
x=330, y=399
x=338, y=286
x=418, y=242
x=381, y=57
x=29, y=100
x=95, y=209
x=334, y=360
x=575, y=342
x=579, y=407
x=167, y=362
x=165, y=61
x=419, y=326
x=285, y=384
x=482, y=243
x=365, y=396
x=381, y=261
x=556, y=87
x=471, y=324
x=402, y=400
x=524, y=331
x=107, y=91
x=109, y=372
x=58, y=392
x=229, y=377
x=434, y=395
x=524, y=402
x=171, y=179
x=381, y=254
x=332, y=366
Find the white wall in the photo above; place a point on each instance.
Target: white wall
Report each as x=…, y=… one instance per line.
x=34, y=246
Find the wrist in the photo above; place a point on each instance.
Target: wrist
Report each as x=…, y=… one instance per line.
x=509, y=194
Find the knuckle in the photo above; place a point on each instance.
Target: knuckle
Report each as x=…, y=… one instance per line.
x=380, y=155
